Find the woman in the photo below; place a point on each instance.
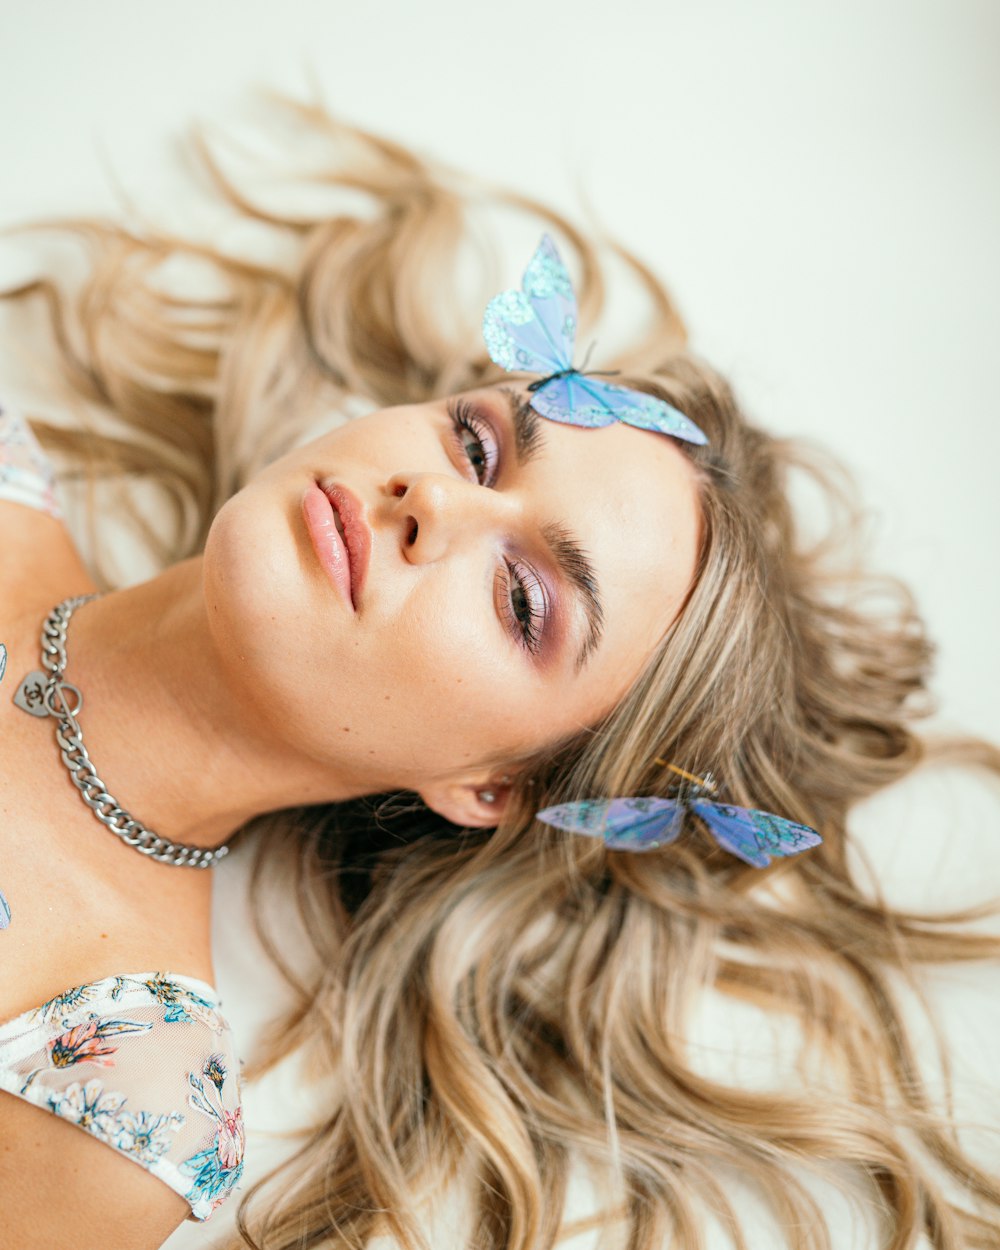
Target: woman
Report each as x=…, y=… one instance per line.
x=493, y=992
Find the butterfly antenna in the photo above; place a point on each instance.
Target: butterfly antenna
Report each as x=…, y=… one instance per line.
x=594, y=373
x=706, y=783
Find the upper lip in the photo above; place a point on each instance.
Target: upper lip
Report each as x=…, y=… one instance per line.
x=357, y=533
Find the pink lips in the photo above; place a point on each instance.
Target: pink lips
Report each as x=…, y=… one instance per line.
x=344, y=558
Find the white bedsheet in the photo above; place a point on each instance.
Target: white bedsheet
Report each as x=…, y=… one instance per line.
x=820, y=189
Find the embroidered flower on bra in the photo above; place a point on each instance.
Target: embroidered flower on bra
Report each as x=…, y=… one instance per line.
x=149, y=1137
x=216, y=1168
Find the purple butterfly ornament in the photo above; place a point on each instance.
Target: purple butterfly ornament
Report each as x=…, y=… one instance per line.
x=644, y=824
x=533, y=331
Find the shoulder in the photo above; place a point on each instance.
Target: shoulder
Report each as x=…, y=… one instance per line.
x=36, y=550
x=39, y=567
x=35, y=541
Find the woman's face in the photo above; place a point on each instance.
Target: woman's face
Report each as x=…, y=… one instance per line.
x=519, y=575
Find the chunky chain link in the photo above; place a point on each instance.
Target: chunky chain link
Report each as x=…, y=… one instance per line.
x=82, y=772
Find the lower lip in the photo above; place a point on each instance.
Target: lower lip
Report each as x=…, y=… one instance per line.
x=326, y=540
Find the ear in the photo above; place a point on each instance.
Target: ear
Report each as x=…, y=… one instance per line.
x=476, y=805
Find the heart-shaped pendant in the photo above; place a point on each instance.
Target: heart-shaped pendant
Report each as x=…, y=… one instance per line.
x=30, y=694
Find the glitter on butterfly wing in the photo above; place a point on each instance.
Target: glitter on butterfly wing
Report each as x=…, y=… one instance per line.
x=754, y=836
x=547, y=284
x=546, y=276
x=4, y=912
x=533, y=329
x=503, y=312
x=643, y=411
x=634, y=824
x=3, y=660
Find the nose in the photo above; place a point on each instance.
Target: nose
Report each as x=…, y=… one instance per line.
x=437, y=513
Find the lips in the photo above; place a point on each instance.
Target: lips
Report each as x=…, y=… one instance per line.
x=340, y=537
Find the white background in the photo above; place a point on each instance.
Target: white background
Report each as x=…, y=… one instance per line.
x=819, y=184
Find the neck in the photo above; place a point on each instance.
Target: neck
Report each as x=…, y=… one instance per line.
x=176, y=743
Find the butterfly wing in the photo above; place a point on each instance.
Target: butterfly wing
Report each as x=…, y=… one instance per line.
x=645, y=412
x=633, y=824
x=754, y=836
x=534, y=329
x=567, y=399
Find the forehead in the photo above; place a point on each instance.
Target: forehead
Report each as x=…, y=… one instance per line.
x=630, y=498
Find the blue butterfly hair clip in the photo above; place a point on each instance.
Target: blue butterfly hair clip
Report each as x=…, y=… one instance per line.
x=533, y=330
x=643, y=824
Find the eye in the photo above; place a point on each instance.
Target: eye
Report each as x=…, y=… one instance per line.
x=476, y=440
x=523, y=604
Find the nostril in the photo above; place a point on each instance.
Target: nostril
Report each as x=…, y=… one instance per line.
x=411, y=534
x=399, y=491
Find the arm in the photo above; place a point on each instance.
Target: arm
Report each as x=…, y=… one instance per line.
x=61, y=1187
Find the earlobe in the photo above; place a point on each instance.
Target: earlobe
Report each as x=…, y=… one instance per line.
x=476, y=806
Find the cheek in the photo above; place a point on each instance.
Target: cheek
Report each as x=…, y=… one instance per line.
x=446, y=667
x=384, y=442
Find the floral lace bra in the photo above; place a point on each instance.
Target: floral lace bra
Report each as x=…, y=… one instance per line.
x=145, y=1063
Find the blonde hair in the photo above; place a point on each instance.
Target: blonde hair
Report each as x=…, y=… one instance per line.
x=504, y=1003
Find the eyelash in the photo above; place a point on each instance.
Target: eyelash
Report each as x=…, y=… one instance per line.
x=466, y=420
x=528, y=629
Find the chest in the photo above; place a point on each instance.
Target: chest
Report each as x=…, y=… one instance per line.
x=82, y=904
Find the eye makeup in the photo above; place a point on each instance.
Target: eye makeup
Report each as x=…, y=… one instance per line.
x=476, y=439
x=524, y=604
x=521, y=596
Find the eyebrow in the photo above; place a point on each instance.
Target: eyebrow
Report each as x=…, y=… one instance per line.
x=570, y=557
x=528, y=436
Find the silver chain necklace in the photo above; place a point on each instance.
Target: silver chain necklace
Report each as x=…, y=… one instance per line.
x=46, y=695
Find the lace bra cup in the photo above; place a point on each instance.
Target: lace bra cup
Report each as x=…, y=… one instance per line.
x=27, y=475
x=145, y=1063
